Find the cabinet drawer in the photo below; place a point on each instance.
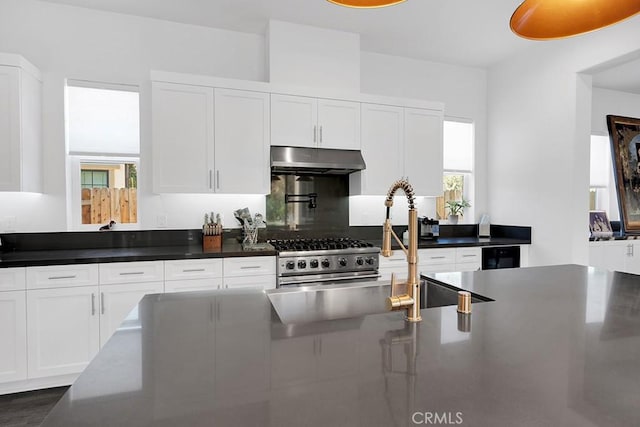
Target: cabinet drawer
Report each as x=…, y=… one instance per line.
x=192, y=269
x=12, y=279
x=62, y=276
x=436, y=256
x=249, y=266
x=131, y=272
x=190, y=285
x=464, y=255
x=257, y=281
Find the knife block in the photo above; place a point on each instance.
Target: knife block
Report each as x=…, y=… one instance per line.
x=211, y=243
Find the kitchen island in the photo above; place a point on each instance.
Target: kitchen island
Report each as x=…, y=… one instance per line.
x=558, y=345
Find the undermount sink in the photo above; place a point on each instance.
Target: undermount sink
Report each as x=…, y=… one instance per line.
x=328, y=302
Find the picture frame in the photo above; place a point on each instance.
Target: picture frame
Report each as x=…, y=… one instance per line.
x=599, y=225
x=624, y=134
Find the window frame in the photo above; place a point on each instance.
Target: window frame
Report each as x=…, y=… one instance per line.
x=76, y=159
x=468, y=192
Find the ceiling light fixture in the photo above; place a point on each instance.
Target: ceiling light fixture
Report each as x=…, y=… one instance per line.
x=366, y=4
x=556, y=19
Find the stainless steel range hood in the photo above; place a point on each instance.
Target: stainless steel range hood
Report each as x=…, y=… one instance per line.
x=306, y=161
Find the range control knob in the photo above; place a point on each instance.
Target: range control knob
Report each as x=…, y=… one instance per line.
x=371, y=260
x=342, y=262
x=302, y=264
x=290, y=265
x=325, y=263
x=359, y=261
x=313, y=263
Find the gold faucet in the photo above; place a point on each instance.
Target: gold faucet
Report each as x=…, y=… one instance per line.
x=411, y=299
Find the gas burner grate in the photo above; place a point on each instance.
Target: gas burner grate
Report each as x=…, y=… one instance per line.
x=310, y=244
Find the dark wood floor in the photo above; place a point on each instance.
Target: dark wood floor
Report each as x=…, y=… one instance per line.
x=29, y=408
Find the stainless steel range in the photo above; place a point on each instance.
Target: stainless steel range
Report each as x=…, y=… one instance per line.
x=325, y=261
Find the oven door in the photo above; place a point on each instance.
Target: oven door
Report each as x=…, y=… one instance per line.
x=328, y=278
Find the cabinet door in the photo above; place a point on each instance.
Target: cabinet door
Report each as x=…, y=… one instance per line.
x=182, y=120
x=119, y=301
x=382, y=147
x=338, y=124
x=423, y=150
x=9, y=129
x=13, y=336
x=62, y=330
x=242, y=142
x=616, y=255
x=294, y=121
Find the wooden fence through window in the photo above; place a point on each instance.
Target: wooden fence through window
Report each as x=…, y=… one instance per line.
x=101, y=205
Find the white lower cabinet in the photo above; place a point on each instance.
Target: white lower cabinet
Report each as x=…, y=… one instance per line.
x=117, y=303
x=193, y=275
x=249, y=272
x=13, y=336
x=63, y=327
x=615, y=255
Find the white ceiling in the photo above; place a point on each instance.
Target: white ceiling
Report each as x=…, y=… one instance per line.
x=463, y=32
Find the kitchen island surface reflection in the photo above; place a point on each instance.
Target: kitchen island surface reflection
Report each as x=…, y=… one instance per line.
x=559, y=345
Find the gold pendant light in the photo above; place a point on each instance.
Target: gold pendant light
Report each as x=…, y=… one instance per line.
x=555, y=19
x=366, y=4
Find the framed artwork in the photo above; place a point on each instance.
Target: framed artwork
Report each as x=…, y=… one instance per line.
x=599, y=225
x=624, y=133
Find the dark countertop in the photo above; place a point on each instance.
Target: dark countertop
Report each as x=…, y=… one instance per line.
x=230, y=248
x=445, y=242
x=560, y=345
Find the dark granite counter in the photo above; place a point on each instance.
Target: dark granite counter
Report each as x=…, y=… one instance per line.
x=559, y=346
x=37, y=249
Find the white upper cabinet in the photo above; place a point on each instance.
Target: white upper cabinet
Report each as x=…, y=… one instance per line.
x=183, y=138
x=382, y=148
x=400, y=142
x=20, y=125
x=207, y=140
x=300, y=121
x=242, y=142
x=423, y=150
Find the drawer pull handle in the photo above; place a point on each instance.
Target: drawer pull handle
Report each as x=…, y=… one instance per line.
x=438, y=257
x=192, y=270
x=62, y=277
x=469, y=256
x=248, y=267
x=131, y=273
x=93, y=304
x=102, y=302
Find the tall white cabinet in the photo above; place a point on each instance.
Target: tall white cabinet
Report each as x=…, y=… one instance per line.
x=20, y=125
x=183, y=138
x=208, y=140
x=423, y=150
x=382, y=149
x=242, y=142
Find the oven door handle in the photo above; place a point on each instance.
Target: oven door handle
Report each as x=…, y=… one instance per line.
x=329, y=279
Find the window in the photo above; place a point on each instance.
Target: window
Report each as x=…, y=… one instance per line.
x=602, y=193
x=103, y=134
x=458, y=165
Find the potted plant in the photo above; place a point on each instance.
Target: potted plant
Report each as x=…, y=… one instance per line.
x=456, y=207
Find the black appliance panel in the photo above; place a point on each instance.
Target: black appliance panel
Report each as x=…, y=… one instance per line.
x=500, y=257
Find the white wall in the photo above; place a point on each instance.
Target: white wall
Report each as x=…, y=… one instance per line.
x=463, y=90
x=539, y=125
x=76, y=43
x=613, y=102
